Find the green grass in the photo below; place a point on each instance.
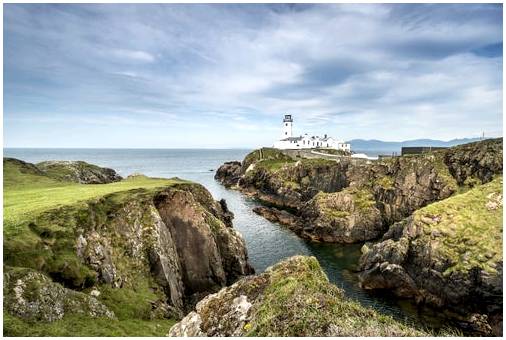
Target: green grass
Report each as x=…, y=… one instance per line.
x=79, y=325
x=273, y=164
x=41, y=218
x=22, y=201
x=265, y=154
x=304, y=303
x=386, y=182
x=465, y=230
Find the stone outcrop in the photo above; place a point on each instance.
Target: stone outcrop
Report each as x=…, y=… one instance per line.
x=163, y=247
x=35, y=297
x=229, y=173
x=448, y=254
x=79, y=172
x=291, y=298
x=475, y=161
x=179, y=236
x=68, y=171
x=277, y=216
x=342, y=201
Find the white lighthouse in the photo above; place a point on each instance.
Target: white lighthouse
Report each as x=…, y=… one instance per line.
x=287, y=140
x=287, y=126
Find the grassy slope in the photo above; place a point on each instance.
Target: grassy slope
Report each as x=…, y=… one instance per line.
x=28, y=196
x=467, y=228
x=303, y=303
x=77, y=325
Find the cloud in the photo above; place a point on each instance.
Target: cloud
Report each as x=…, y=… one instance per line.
x=133, y=55
x=385, y=71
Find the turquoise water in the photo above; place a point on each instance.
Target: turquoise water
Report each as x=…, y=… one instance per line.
x=267, y=242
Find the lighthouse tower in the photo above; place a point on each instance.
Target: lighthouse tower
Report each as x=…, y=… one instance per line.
x=287, y=126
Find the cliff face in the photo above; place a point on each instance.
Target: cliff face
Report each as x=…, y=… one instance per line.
x=347, y=202
x=291, y=298
x=144, y=254
x=446, y=254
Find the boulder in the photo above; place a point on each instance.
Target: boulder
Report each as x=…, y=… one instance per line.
x=33, y=296
x=229, y=173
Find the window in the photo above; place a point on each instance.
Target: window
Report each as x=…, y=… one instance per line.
x=286, y=133
x=286, y=124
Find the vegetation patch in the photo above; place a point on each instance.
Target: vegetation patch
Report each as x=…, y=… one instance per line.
x=273, y=165
x=467, y=228
x=43, y=218
x=265, y=154
x=362, y=198
x=386, y=182
x=79, y=325
x=304, y=303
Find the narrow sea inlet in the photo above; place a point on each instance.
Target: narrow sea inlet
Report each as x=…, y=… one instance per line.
x=267, y=243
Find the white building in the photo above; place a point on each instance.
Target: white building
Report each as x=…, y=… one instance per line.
x=288, y=141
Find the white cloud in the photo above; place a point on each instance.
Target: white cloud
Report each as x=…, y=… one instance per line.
x=362, y=71
x=141, y=56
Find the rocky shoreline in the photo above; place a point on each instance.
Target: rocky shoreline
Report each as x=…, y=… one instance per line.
x=340, y=201
x=145, y=250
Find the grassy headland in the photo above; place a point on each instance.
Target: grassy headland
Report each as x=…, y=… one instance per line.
x=41, y=216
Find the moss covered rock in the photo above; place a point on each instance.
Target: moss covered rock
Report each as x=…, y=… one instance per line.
x=346, y=216
x=33, y=296
x=447, y=254
x=137, y=245
x=291, y=298
x=78, y=171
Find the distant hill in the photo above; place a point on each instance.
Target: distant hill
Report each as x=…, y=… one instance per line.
x=378, y=146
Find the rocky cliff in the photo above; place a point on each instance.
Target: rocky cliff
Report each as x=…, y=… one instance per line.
x=79, y=172
x=447, y=254
x=291, y=298
x=67, y=171
x=344, y=201
x=147, y=253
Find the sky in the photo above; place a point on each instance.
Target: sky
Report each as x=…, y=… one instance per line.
x=223, y=75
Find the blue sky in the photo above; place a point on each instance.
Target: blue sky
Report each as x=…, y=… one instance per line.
x=193, y=75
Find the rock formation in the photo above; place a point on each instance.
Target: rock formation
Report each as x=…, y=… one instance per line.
x=448, y=254
x=229, y=173
x=35, y=297
x=162, y=249
x=67, y=171
x=79, y=172
x=344, y=201
x=291, y=298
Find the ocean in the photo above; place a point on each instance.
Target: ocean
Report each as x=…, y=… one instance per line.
x=267, y=243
